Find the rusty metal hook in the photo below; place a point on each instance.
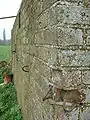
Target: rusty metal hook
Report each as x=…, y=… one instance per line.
x=24, y=68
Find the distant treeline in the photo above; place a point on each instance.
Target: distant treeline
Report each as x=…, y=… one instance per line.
x=2, y=42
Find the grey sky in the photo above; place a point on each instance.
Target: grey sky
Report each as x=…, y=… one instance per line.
x=8, y=8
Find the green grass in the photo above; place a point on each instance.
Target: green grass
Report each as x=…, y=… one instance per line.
x=9, y=108
x=5, y=52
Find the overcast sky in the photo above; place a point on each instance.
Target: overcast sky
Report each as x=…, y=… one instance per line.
x=8, y=8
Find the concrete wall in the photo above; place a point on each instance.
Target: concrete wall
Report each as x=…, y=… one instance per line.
x=52, y=38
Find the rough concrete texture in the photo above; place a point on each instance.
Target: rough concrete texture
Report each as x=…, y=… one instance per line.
x=52, y=39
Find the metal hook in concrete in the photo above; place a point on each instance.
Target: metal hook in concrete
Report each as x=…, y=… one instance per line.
x=24, y=68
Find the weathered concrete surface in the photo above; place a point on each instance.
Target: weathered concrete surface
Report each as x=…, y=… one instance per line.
x=52, y=37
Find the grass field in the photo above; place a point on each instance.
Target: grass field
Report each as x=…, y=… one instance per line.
x=4, y=52
x=9, y=108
